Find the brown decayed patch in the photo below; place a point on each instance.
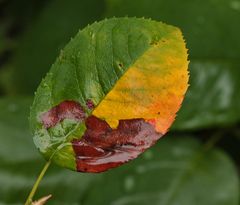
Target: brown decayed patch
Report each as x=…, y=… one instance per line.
x=65, y=110
x=102, y=147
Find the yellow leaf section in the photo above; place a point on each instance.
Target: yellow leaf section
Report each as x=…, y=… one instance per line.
x=152, y=88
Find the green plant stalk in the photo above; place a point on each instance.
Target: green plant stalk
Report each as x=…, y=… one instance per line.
x=35, y=186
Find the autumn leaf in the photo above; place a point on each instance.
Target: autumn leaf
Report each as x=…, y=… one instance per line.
x=111, y=94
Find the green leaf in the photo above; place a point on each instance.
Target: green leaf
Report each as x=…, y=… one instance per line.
x=214, y=45
x=42, y=41
x=13, y=20
x=14, y=129
x=175, y=169
x=116, y=75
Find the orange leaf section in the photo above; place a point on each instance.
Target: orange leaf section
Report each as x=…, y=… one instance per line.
x=152, y=88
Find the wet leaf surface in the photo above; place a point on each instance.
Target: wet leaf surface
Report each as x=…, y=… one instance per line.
x=111, y=94
x=174, y=168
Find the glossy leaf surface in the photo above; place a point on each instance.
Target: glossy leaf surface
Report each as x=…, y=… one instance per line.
x=114, y=90
x=173, y=169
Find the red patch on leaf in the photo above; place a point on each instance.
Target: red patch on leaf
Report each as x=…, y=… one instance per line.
x=102, y=148
x=65, y=110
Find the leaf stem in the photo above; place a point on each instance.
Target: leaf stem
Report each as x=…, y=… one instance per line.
x=35, y=186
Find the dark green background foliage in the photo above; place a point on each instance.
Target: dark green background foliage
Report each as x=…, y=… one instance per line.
x=197, y=163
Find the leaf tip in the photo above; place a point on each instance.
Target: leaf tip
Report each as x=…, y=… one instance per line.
x=42, y=201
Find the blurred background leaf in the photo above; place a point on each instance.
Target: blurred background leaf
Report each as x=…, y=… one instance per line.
x=213, y=98
x=175, y=171
x=15, y=17
x=42, y=41
x=13, y=20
